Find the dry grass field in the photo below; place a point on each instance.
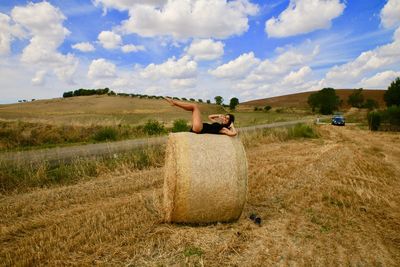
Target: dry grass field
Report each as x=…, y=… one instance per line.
x=118, y=110
x=96, y=110
x=331, y=201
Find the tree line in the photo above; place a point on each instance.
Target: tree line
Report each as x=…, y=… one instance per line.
x=106, y=91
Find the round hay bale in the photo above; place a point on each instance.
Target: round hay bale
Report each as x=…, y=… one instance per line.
x=205, y=178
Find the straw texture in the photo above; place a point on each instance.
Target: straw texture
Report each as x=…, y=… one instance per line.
x=205, y=178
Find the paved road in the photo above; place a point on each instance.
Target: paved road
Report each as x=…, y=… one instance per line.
x=73, y=152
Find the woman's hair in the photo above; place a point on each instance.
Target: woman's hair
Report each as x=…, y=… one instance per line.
x=231, y=120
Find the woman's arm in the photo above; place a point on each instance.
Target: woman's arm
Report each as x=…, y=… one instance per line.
x=230, y=132
x=216, y=117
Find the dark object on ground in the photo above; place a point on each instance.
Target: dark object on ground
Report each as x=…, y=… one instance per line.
x=256, y=219
x=338, y=120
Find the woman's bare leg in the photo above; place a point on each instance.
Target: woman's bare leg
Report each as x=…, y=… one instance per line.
x=197, y=124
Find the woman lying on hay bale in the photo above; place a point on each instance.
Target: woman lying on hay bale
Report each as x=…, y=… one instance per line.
x=222, y=124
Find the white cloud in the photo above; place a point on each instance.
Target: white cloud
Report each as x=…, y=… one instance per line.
x=102, y=69
x=297, y=77
x=205, y=49
x=380, y=80
x=377, y=60
x=44, y=25
x=5, y=35
x=127, y=4
x=304, y=16
x=183, y=83
x=110, y=40
x=183, y=68
x=132, y=48
x=236, y=68
x=84, y=47
x=39, y=77
x=390, y=14
x=191, y=18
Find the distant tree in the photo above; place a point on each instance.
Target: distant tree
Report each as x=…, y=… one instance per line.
x=233, y=103
x=356, y=99
x=192, y=99
x=218, y=100
x=184, y=98
x=68, y=94
x=313, y=101
x=370, y=104
x=267, y=108
x=200, y=100
x=392, y=95
x=325, y=100
x=255, y=108
x=208, y=101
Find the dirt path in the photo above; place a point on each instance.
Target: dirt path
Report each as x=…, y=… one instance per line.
x=67, y=153
x=332, y=201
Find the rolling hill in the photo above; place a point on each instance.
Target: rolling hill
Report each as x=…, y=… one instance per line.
x=299, y=100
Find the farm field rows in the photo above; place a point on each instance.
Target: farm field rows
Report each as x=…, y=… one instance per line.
x=328, y=201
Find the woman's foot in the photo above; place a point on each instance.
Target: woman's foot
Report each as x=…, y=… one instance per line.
x=169, y=100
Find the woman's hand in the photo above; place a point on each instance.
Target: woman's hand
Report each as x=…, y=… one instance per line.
x=216, y=118
x=229, y=132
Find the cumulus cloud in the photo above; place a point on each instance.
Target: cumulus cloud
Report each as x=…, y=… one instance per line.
x=380, y=80
x=44, y=22
x=126, y=4
x=39, y=77
x=132, y=48
x=183, y=68
x=205, y=49
x=237, y=68
x=297, y=77
x=377, y=60
x=191, y=18
x=84, y=47
x=390, y=14
x=102, y=69
x=287, y=72
x=5, y=35
x=304, y=16
x=8, y=32
x=183, y=83
x=110, y=40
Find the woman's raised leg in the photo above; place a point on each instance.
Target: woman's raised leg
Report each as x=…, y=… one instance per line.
x=197, y=124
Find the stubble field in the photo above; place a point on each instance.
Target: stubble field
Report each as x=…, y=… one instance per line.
x=323, y=202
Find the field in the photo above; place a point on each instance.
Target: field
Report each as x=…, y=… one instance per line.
x=89, y=119
x=329, y=201
x=299, y=100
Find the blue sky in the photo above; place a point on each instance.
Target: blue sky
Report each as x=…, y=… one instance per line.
x=196, y=48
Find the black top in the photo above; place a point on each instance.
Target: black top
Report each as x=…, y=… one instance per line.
x=211, y=128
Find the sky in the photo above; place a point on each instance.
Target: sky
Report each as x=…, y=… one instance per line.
x=196, y=48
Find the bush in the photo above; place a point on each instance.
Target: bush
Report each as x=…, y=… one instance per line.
x=153, y=127
x=106, y=134
x=180, y=126
x=370, y=104
x=392, y=115
x=302, y=131
x=374, y=120
x=267, y=108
